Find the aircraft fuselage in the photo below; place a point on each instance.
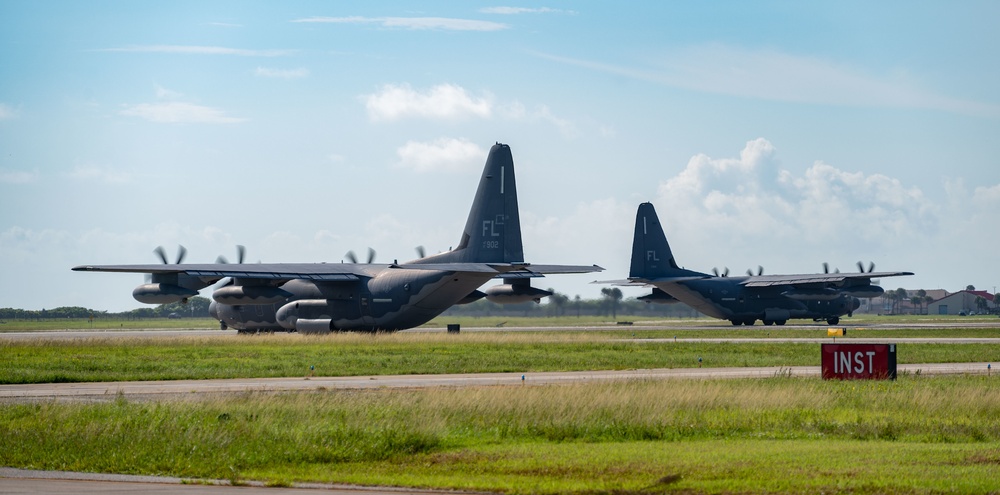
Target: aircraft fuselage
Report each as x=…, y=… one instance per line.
x=391, y=299
x=726, y=298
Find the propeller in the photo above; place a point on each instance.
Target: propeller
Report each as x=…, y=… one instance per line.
x=241, y=254
x=826, y=268
x=421, y=253
x=871, y=267
x=725, y=272
x=760, y=271
x=354, y=259
x=162, y=253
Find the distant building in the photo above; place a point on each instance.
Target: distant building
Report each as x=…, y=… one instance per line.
x=962, y=302
x=884, y=305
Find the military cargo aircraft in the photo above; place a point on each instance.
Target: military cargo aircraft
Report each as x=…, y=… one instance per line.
x=773, y=299
x=324, y=297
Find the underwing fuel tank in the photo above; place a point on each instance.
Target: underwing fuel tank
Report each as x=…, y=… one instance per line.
x=249, y=294
x=812, y=294
x=517, y=292
x=864, y=291
x=313, y=327
x=161, y=293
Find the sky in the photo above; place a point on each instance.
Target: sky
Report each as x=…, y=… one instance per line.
x=774, y=133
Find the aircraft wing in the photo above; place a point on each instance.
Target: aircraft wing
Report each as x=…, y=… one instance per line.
x=644, y=282
x=328, y=271
x=815, y=279
x=270, y=271
x=504, y=270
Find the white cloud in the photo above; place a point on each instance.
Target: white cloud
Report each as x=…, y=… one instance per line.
x=200, y=50
x=444, y=154
x=179, y=112
x=444, y=101
x=772, y=75
x=7, y=113
x=282, y=73
x=17, y=176
x=413, y=23
x=751, y=199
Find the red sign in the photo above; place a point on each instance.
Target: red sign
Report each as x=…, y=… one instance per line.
x=859, y=361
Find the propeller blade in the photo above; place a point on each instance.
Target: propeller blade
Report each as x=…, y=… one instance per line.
x=241, y=253
x=871, y=266
x=749, y=272
x=221, y=260
x=351, y=257
x=826, y=267
x=715, y=271
x=162, y=254
x=371, y=255
x=861, y=267
x=420, y=252
x=725, y=272
x=181, y=253
x=760, y=270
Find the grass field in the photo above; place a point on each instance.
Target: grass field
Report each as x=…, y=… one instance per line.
x=284, y=355
x=918, y=434
x=498, y=321
x=781, y=434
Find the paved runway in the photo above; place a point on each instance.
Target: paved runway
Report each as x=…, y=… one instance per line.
x=20, y=481
x=182, y=388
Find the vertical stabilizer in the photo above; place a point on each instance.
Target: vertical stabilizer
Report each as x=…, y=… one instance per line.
x=493, y=231
x=651, y=255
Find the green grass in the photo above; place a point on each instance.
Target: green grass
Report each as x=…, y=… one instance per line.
x=121, y=359
x=775, y=435
x=107, y=324
x=503, y=321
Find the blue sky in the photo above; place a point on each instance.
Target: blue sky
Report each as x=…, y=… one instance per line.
x=781, y=134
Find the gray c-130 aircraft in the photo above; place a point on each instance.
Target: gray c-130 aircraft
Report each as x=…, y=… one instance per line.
x=324, y=297
x=773, y=299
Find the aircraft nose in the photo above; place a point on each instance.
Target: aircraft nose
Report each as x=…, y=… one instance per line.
x=857, y=303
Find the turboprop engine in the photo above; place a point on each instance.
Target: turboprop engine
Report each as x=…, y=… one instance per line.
x=162, y=293
x=516, y=291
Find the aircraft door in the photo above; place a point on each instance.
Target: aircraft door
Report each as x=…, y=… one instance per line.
x=365, y=303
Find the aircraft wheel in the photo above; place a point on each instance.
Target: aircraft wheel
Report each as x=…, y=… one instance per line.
x=735, y=323
x=768, y=322
x=749, y=322
x=781, y=322
x=833, y=321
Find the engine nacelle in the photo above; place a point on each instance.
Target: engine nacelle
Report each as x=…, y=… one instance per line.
x=249, y=294
x=515, y=293
x=161, y=293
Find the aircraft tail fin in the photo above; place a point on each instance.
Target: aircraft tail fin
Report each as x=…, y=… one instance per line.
x=493, y=231
x=651, y=255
